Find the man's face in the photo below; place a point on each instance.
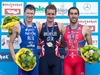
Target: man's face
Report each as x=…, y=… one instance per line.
x=50, y=14
x=29, y=14
x=73, y=15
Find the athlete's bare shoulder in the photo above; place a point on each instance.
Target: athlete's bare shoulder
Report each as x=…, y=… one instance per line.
x=87, y=34
x=86, y=29
x=16, y=29
x=62, y=28
x=15, y=32
x=39, y=26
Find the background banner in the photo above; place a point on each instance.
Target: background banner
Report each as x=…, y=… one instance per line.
x=89, y=15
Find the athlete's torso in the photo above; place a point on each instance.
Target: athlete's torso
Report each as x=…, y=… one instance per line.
x=74, y=42
x=46, y=39
x=28, y=36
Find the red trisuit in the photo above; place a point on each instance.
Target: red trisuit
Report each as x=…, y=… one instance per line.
x=73, y=62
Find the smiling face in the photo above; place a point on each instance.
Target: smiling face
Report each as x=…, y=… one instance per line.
x=29, y=14
x=50, y=14
x=73, y=16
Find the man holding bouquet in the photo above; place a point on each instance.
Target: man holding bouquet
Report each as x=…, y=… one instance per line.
x=75, y=37
x=28, y=34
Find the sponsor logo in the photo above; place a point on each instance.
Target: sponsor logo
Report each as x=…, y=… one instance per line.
x=65, y=24
x=87, y=6
x=5, y=57
x=6, y=41
x=92, y=28
x=3, y=42
x=12, y=4
x=87, y=21
x=92, y=23
x=40, y=9
x=62, y=10
x=13, y=11
x=95, y=42
x=88, y=9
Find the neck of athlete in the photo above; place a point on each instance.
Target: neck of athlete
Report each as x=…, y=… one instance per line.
x=74, y=25
x=28, y=23
x=50, y=24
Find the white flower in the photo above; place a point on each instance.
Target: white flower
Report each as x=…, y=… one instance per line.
x=31, y=54
x=91, y=51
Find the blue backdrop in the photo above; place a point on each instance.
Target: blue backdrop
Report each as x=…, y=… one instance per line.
x=7, y=66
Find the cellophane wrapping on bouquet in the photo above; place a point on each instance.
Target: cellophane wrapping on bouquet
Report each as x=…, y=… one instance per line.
x=25, y=59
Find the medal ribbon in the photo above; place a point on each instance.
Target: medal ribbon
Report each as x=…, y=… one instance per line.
x=73, y=38
x=50, y=33
x=31, y=41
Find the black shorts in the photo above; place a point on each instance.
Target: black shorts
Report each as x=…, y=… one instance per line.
x=50, y=66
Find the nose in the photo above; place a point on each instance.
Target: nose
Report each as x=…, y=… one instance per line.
x=50, y=15
x=30, y=15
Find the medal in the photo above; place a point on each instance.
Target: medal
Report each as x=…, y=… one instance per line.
x=50, y=36
x=49, y=44
x=73, y=37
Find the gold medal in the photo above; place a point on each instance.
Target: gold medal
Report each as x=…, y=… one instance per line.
x=49, y=44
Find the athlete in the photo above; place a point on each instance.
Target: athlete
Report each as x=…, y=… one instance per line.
x=28, y=32
x=75, y=37
x=50, y=62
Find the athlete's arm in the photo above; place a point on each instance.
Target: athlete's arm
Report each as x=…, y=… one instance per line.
x=39, y=27
x=12, y=38
x=62, y=29
x=88, y=35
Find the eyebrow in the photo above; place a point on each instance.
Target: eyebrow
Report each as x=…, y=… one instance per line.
x=73, y=13
x=51, y=13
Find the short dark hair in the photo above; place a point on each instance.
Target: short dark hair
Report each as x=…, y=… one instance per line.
x=73, y=8
x=29, y=6
x=51, y=6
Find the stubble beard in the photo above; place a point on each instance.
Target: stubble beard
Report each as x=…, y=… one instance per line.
x=74, y=21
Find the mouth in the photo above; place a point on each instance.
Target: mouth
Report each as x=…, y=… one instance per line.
x=73, y=18
x=29, y=18
x=50, y=18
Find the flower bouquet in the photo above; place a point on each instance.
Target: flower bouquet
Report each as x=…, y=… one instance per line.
x=9, y=22
x=25, y=59
x=90, y=53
